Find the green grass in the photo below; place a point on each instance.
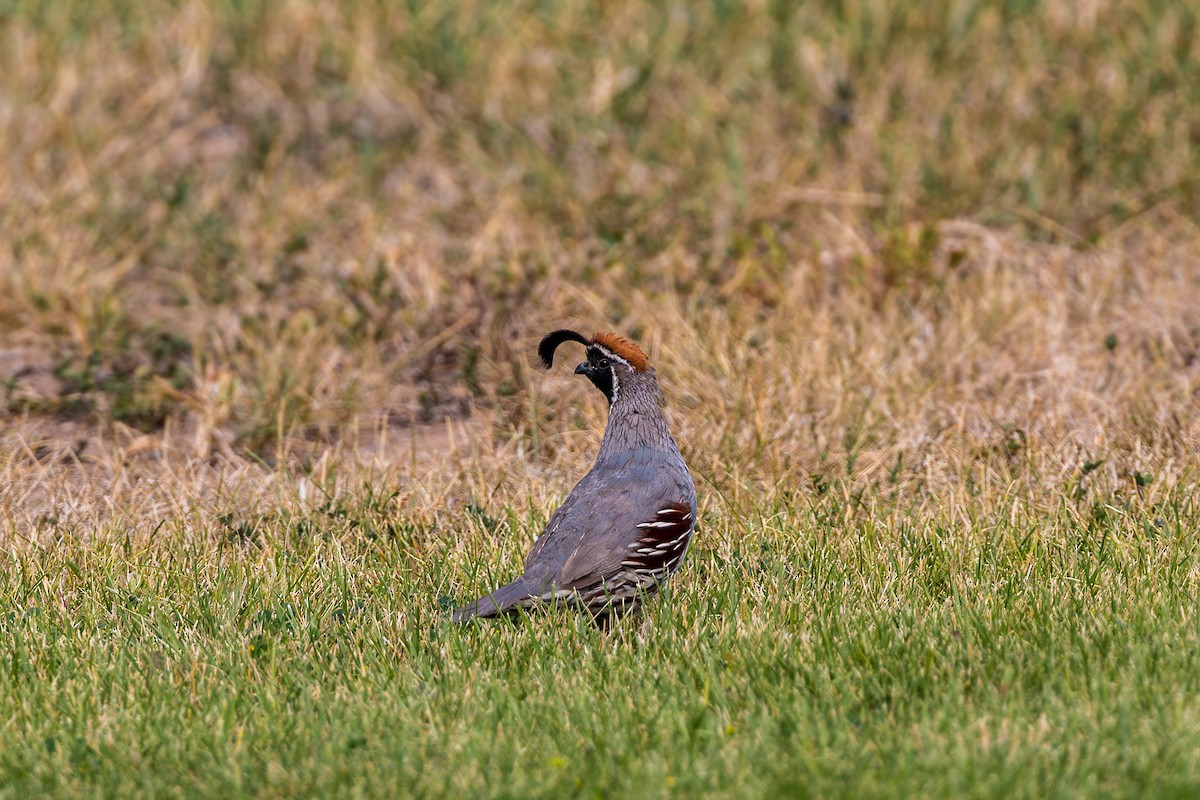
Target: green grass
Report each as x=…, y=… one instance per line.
x=815, y=651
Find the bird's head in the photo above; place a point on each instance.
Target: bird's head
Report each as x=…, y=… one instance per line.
x=612, y=360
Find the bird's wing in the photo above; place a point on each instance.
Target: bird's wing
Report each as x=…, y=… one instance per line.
x=607, y=514
x=652, y=543
x=602, y=493
x=623, y=515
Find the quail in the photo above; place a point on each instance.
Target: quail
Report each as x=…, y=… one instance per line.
x=626, y=526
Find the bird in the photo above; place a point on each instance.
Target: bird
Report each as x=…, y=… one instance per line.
x=626, y=526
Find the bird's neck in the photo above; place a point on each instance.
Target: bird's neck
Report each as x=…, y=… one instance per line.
x=635, y=419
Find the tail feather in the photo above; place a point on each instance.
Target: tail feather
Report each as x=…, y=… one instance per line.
x=500, y=601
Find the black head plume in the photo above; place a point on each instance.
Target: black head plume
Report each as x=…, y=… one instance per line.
x=551, y=341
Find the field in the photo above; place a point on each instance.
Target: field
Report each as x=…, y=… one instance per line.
x=920, y=283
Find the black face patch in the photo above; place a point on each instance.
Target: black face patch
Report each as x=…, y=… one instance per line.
x=603, y=378
x=601, y=372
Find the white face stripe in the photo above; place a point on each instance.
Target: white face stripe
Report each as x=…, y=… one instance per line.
x=610, y=354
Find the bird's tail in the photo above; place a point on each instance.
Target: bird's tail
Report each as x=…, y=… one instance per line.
x=502, y=600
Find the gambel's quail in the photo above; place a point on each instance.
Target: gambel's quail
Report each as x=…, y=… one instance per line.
x=625, y=527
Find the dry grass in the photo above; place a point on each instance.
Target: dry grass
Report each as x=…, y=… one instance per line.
x=1033, y=374
x=262, y=263
x=235, y=236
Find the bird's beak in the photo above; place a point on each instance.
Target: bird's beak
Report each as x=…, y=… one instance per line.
x=582, y=369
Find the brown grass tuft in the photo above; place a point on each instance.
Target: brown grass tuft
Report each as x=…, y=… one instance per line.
x=253, y=260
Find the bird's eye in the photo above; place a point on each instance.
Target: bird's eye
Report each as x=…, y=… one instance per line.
x=602, y=363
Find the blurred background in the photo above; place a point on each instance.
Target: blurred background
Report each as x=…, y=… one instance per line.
x=878, y=252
